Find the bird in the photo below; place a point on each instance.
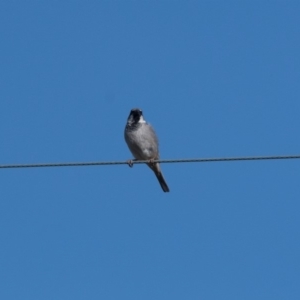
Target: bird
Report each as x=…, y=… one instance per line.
x=143, y=143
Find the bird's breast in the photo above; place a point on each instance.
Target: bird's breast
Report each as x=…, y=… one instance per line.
x=141, y=142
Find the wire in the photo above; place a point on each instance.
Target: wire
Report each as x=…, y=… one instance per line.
x=195, y=160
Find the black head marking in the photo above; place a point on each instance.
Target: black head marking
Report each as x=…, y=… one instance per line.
x=135, y=115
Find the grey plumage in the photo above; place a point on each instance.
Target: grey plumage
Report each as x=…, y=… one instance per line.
x=143, y=143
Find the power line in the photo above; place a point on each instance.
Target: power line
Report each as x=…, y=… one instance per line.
x=193, y=160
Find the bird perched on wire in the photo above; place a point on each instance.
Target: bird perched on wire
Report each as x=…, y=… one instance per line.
x=143, y=143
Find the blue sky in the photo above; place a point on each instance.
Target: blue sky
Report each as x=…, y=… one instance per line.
x=215, y=79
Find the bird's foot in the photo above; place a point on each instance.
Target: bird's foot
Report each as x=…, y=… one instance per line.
x=151, y=162
x=130, y=162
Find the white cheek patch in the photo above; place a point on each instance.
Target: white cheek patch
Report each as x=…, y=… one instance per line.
x=141, y=120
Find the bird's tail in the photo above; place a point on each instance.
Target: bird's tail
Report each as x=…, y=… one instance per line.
x=162, y=181
x=156, y=169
